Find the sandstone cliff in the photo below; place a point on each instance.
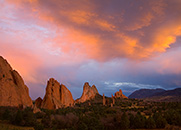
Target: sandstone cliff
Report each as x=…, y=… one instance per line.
x=88, y=93
x=13, y=91
x=119, y=94
x=57, y=96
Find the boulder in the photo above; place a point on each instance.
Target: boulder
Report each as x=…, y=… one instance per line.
x=13, y=91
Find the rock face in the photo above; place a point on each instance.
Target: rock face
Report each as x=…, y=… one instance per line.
x=57, y=96
x=13, y=91
x=88, y=93
x=38, y=102
x=113, y=100
x=103, y=100
x=119, y=94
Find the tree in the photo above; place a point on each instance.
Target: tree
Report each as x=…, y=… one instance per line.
x=29, y=117
x=125, y=123
x=132, y=121
x=82, y=126
x=38, y=126
x=159, y=120
x=150, y=123
x=6, y=115
x=18, y=118
x=173, y=117
x=139, y=121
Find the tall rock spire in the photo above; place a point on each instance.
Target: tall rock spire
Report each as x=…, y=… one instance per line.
x=103, y=100
x=57, y=96
x=88, y=93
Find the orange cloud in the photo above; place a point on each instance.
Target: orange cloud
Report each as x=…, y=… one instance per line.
x=165, y=36
x=139, y=31
x=104, y=25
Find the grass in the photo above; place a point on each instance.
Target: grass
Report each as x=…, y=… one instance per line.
x=5, y=126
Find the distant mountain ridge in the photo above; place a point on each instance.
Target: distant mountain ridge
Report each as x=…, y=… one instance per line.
x=174, y=92
x=145, y=93
x=158, y=94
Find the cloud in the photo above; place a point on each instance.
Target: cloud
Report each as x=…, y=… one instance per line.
x=124, y=85
x=76, y=41
x=135, y=30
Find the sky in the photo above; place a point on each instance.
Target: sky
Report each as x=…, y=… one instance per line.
x=113, y=44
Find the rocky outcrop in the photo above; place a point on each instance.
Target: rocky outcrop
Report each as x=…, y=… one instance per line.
x=88, y=93
x=119, y=94
x=103, y=100
x=113, y=100
x=57, y=96
x=38, y=102
x=36, y=110
x=13, y=91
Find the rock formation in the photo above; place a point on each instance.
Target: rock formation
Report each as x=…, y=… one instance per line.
x=119, y=94
x=107, y=102
x=104, y=100
x=36, y=110
x=57, y=96
x=88, y=93
x=13, y=91
x=113, y=100
x=38, y=102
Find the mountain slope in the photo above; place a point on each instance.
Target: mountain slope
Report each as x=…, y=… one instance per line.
x=158, y=95
x=145, y=93
x=167, y=96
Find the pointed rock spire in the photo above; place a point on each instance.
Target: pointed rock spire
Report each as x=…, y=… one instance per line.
x=57, y=96
x=88, y=93
x=103, y=100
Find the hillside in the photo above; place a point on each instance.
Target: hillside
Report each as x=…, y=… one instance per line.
x=145, y=93
x=158, y=95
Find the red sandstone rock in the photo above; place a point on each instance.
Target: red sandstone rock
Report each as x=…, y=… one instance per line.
x=104, y=100
x=113, y=100
x=13, y=91
x=38, y=102
x=88, y=93
x=57, y=96
x=119, y=94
